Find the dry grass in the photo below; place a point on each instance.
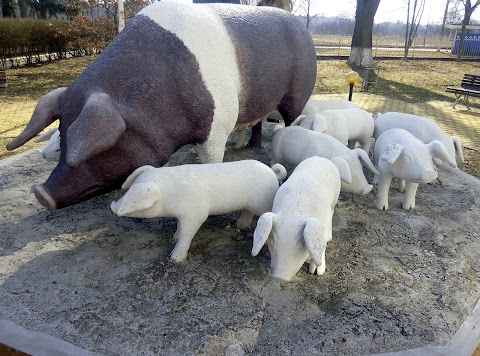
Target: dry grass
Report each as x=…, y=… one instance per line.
x=411, y=81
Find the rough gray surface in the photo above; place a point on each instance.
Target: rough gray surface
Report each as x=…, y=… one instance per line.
x=395, y=280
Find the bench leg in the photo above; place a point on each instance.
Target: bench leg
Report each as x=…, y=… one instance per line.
x=458, y=98
x=467, y=102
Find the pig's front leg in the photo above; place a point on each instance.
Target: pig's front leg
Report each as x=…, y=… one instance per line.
x=245, y=219
x=401, y=185
x=381, y=201
x=319, y=269
x=186, y=230
x=409, y=198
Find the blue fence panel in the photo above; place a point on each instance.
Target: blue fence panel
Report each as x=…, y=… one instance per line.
x=471, y=45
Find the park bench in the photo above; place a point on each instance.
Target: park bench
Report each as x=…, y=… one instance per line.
x=470, y=86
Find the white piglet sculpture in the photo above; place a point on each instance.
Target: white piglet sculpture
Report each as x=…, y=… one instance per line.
x=192, y=192
x=50, y=151
x=316, y=106
x=349, y=126
x=425, y=130
x=300, y=223
x=294, y=144
x=399, y=154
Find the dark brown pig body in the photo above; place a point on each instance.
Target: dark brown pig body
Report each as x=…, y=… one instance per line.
x=177, y=74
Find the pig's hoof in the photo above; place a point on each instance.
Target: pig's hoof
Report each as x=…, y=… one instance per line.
x=408, y=206
x=177, y=257
x=381, y=206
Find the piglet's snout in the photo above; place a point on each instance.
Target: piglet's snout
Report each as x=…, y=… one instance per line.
x=429, y=176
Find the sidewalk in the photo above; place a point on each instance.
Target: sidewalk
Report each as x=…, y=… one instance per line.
x=459, y=122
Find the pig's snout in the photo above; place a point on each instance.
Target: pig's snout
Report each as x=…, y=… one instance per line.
x=429, y=176
x=115, y=207
x=44, y=197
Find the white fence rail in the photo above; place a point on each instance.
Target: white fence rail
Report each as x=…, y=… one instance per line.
x=393, y=46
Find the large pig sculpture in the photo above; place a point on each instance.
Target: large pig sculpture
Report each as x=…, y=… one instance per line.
x=294, y=144
x=349, y=126
x=192, y=192
x=300, y=223
x=425, y=130
x=178, y=73
x=400, y=154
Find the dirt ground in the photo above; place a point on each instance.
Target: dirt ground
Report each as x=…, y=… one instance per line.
x=395, y=280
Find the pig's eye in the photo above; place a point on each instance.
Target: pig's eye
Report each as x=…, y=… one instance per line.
x=406, y=160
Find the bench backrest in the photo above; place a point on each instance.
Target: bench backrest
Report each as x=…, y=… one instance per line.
x=471, y=81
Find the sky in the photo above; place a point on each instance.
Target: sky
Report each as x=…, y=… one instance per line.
x=388, y=10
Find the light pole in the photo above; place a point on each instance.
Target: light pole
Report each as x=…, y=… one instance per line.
x=352, y=79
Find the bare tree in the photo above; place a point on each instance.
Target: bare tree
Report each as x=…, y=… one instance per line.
x=361, y=50
x=303, y=8
x=469, y=9
x=414, y=15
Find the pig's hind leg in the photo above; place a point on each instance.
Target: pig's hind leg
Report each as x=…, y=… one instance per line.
x=187, y=227
x=245, y=219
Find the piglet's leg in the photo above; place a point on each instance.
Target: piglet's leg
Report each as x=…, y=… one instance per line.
x=186, y=230
x=320, y=270
x=409, y=198
x=381, y=201
x=401, y=185
x=245, y=219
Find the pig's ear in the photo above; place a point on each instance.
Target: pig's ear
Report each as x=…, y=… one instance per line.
x=262, y=231
x=45, y=113
x=458, y=148
x=132, y=177
x=391, y=153
x=343, y=169
x=316, y=242
x=320, y=124
x=438, y=150
x=96, y=129
x=365, y=160
x=139, y=197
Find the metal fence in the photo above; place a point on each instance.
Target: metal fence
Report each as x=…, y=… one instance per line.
x=393, y=46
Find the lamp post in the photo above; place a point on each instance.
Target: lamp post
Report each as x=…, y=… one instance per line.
x=352, y=79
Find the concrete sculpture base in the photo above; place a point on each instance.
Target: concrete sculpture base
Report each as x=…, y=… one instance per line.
x=396, y=280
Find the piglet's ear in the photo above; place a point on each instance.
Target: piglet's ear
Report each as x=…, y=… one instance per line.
x=391, y=153
x=320, y=123
x=343, y=169
x=262, y=231
x=139, y=197
x=136, y=173
x=438, y=150
x=316, y=242
x=458, y=148
x=96, y=129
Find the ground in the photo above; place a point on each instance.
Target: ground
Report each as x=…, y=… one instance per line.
x=395, y=280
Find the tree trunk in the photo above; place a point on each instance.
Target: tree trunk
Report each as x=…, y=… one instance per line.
x=465, y=22
x=361, y=50
x=469, y=9
x=22, y=5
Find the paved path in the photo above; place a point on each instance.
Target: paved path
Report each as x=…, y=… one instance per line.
x=459, y=122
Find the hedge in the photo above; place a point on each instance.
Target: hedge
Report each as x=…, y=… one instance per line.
x=28, y=39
